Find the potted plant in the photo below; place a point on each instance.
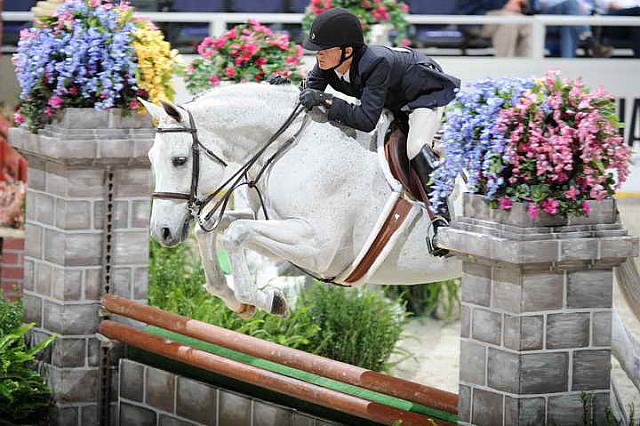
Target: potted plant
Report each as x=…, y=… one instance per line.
x=90, y=54
x=548, y=145
x=247, y=52
x=376, y=17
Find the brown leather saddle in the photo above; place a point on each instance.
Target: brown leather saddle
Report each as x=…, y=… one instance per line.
x=395, y=149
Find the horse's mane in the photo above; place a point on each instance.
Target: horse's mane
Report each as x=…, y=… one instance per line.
x=245, y=89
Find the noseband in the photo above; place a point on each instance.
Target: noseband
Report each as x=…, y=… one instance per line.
x=195, y=205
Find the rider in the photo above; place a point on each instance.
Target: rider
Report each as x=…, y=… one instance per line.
x=400, y=79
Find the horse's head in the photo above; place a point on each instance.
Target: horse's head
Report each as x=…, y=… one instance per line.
x=181, y=176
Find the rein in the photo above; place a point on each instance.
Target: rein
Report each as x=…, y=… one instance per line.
x=238, y=179
x=195, y=205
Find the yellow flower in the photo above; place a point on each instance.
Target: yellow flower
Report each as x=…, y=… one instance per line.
x=157, y=62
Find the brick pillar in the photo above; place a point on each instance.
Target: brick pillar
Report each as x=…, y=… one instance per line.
x=11, y=263
x=536, y=312
x=77, y=166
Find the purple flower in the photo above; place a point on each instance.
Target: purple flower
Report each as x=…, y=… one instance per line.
x=87, y=62
x=471, y=140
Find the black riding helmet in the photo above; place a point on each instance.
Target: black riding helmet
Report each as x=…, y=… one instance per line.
x=335, y=27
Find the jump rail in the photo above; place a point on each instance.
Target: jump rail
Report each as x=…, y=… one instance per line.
x=346, y=373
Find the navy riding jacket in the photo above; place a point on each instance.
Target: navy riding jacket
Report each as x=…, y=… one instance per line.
x=381, y=77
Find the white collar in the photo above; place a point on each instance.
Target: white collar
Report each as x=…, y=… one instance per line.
x=344, y=76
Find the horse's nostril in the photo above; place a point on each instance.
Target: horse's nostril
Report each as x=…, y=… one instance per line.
x=166, y=234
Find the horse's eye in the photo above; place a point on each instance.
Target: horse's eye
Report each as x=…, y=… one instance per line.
x=179, y=161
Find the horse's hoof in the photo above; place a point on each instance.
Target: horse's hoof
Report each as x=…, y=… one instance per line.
x=279, y=305
x=246, y=311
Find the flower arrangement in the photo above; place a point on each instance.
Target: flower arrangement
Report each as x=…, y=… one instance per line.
x=247, y=52
x=157, y=63
x=370, y=12
x=551, y=142
x=90, y=53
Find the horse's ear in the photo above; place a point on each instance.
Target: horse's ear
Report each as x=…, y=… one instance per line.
x=172, y=111
x=154, y=110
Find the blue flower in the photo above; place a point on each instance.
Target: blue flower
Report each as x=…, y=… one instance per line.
x=89, y=60
x=471, y=140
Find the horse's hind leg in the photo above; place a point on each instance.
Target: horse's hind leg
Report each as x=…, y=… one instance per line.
x=290, y=239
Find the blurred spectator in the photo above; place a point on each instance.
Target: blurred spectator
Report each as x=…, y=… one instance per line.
x=621, y=8
x=570, y=36
x=508, y=40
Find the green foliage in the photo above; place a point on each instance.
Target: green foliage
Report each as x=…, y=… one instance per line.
x=176, y=285
x=424, y=299
x=589, y=413
x=359, y=326
x=389, y=12
x=10, y=315
x=24, y=396
x=353, y=326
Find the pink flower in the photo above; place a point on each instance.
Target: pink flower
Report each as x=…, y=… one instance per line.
x=571, y=193
x=550, y=206
x=404, y=7
x=214, y=80
x=261, y=60
x=49, y=112
x=586, y=207
x=505, y=203
x=55, y=101
x=231, y=72
x=18, y=118
x=73, y=90
x=598, y=192
x=380, y=13
x=133, y=104
x=405, y=42
x=533, y=211
x=94, y=3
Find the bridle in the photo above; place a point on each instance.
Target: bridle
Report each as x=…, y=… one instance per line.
x=195, y=205
x=193, y=202
x=239, y=178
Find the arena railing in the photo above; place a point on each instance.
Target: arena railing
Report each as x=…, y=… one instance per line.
x=218, y=21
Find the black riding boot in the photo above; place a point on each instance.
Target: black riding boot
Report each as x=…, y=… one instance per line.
x=424, y=165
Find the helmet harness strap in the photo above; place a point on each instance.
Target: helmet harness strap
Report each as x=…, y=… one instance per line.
x=343, y=57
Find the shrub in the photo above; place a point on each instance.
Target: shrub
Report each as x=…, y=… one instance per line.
x=370, y=12
x=355, y=326
x=24, y=396
x=359, y=326
x=425, y=299
x=11, y=315
x=247, y=52
x=176, y=285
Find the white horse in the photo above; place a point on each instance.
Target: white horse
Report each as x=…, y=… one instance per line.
x=323, y=195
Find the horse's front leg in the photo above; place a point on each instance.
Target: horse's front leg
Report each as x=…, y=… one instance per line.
x=290, y=239
x=216, y=283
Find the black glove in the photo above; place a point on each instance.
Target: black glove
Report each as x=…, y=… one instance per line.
x=310, y=98
x=277, y=79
